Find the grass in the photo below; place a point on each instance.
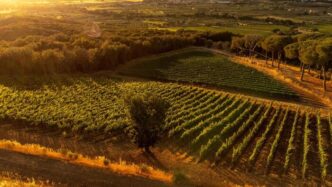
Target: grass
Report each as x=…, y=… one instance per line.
x=203, y=67
x=325, y=28
x=121, y=167
x=262, y=29
x=8, y=179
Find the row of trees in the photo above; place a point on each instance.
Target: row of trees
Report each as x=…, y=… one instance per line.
x=306, y=50
x=62, y=53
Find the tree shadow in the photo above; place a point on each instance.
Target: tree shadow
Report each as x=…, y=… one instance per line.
x=154, y=161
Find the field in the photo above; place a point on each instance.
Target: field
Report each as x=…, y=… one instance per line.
x=214, y=125
x=68, y=67
x=248, y=29
x=207, y=68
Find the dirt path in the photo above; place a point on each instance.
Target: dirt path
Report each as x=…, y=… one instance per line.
x=65, y=174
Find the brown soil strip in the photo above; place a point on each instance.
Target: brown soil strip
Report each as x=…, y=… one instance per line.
x=64, y=173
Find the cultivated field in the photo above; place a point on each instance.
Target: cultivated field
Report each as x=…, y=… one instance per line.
x=155, y=93
x=207, y=68
x=213, y=125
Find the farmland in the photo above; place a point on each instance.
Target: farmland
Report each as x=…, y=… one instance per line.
x=217, y=126
x=156, y=93
x=203, y=67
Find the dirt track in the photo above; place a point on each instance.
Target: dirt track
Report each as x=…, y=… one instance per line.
x=65, y=174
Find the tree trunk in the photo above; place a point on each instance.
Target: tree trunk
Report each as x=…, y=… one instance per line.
x=266, y=57
x=324, y=77
x=147, y=149
x=279, y=59
x=302, y=73
x=272, y=59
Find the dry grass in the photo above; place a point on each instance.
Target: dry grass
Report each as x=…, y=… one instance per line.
x=14, y=180
x=120, y=167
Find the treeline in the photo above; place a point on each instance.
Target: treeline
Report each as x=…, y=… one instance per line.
x=61, y=53
x=308, y=51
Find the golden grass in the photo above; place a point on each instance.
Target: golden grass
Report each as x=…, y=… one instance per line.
x=120, y=167
x=13, y=180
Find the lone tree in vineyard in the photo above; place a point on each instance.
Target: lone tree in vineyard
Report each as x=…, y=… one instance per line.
x=148, y=113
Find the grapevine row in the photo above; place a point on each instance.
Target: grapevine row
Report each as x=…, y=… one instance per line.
x=291, y=142
x=276, y=141
x=260, y=143
x=238, y=151
x=216, y=140
x=231, y=140
x=322, y=152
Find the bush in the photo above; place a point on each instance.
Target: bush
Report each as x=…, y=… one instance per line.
x=148, y=113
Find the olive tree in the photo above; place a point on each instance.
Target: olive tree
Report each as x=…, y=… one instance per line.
x=147, y=113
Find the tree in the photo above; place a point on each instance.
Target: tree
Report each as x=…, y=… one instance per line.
x=292, y=51
x=238, y=44
x=307, y=54
x=324, y=51
x=147, y=113
x=251, y=42
x=275, y=44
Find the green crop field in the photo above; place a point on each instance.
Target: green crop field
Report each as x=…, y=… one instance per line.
x=245, y=29
x=196, y=66
x=215, y=125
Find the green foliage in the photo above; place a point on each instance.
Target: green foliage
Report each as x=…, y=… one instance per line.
x=306, y=146
x=308, y=54
x=291, y=142
x=76, y=53
x=236, y=135
x=292, y=51
x=260, y=143
x=276, y=142
x=276, y=43
x=238, y=150
x=203, y=67
x=322, y=152
x=215, y=141
x=148, y=113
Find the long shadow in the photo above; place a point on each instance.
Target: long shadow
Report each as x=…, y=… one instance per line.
x=154, y=161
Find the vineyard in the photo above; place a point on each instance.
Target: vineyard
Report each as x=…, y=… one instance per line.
x=253, y=136
x=223, y=128
x=203, y=67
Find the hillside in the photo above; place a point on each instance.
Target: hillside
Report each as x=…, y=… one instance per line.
x=207, y=68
